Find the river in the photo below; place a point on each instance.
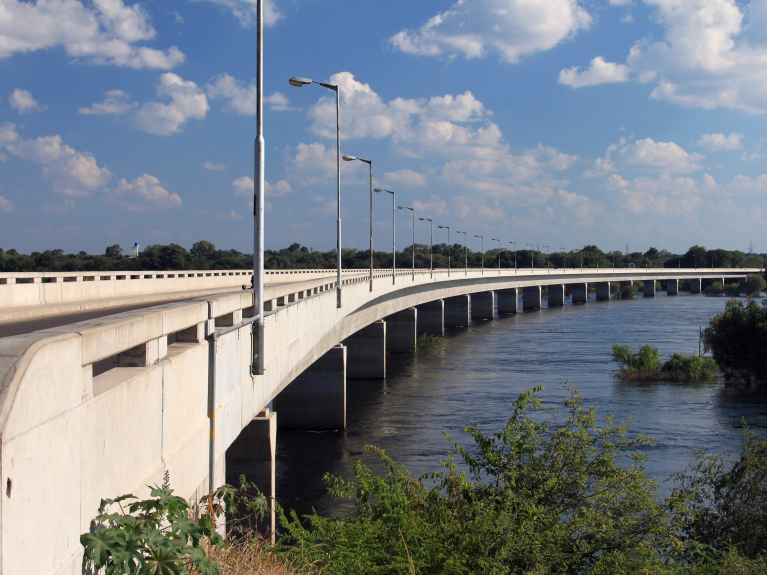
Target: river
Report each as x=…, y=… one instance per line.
x=482, y=369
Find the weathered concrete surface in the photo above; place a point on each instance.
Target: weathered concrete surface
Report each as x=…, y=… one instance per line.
x=457, y=311
x=531, y=297
x=366, y=352
x=431, y=318
x=695, y=285
x=672, y=287
x=579, y=292
x=508, y=300
x=556, y=295
x=316, y=399
x=603, y=291
x=402, y=331
x=483, y=305
x=649, y=289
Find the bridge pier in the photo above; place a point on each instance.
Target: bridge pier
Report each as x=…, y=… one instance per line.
x=649, y=288
x=483, y=305
x=316, y=399
x=508, y=300
x=580, y=292
x=366, y=352
x=603, y=291
x=431, y=318
x=531, y=297
x=457, y=311
x=672, y=287
x=695, y=286
x=401, y=331
x=556, y=295
x=253, y=455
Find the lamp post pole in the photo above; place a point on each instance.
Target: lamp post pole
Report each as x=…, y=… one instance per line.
x=499, y=254
x=369, y=163
x=258, y=197
x=515, y=256
x=483, y=253
x=448, y=248
x=393, y=235
x=532, y=259
x=412, y=210
x=548, y=257
x=298, y=82
x=465, y=253
x=431, y=247
x=564, y=258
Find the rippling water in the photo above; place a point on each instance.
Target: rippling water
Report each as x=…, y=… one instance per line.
x=482, y=369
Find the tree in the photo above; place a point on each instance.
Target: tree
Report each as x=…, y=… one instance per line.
x=114, y=251
x=203, y=249
x=754, y=285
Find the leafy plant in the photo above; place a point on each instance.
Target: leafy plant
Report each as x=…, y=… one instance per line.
x=715, y=289
x=428, y=344
x=754, y=285
x=680, y=366
x=646, y=364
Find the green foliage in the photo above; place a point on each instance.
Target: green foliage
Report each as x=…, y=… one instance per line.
x=680, y=366
x=628, y=292
x=162, y=535
x=715, y=289
x=737, y=339
x=427, y=344
x=646, y=364
x=733, y=290
x=754, y=285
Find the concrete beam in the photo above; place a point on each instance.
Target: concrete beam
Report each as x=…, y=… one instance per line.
x=556, y=295
x=366, y=352
x=531, y=297
x=316, y=399
x=672, y=287
x=695, y=286
x=483, y=305
x=649, y=288
x=457, y=311
x=580, y=292
x=401, y=331
x=508, y=300
x=431, y=318
x=603, y=291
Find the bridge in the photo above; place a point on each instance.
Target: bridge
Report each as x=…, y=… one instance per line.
x=105, y=406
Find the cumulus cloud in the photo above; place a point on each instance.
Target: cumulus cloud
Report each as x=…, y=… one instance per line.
x=6, y=205
x=214, y=166
x=242, y=97
x=144, y=194
x=646, y=155
x=116, y=103
x=715, y=142
x=23, y=102
x=664, y=195
x=509, y=28
x=244, y=187
x=576, y=209
x=245, y=11
x=99, y=32
x=405, y=177
x=231, y=216
x=436, y=206
x=598, y=72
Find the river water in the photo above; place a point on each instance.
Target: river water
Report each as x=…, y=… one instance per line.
x=482, y=369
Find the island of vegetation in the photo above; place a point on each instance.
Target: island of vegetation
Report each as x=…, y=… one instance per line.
x=646, y=364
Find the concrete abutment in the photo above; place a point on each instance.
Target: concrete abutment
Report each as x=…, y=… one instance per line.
x=457, y=311
x=556, y=295
x=531, y=297
x=402, y=331
x=366, y=352
x=431, y=318
x=508, y=300
x=483, y=305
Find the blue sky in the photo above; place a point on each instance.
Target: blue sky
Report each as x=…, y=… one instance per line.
x=552, y=122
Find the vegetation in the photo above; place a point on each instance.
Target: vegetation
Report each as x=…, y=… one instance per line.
x=627, y=292
x=428, y=344
x=737, y=339
x=645, y=364
x=754, y=285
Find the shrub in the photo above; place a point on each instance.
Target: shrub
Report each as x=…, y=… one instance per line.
x=628, y=292
x=754, y=285
x=429, y=345
x=715, y=289
x=644, y=364
x=680, y=366
x=733, y=290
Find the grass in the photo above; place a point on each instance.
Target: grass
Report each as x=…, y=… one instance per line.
x=252, y=555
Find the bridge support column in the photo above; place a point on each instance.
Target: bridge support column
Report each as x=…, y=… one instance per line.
x=457, y=311
x=508, y=300
x=431, y=318
x=580, y=292
x=316, y=399
x=626, y=284
x=649, y=288
x=603, y=291
x=531, y=297
x=483, y=305
x=672, y=287
x=366, y=352
x=401, y=331
x=695, y=286
x=556, y=295
x=253, y=455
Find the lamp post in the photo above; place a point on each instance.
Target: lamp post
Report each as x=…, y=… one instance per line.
x=298, y=82
x=412, y=210
x=499, y=253
x=448, y=248
x=564, y=257
x=258, y=204
x=431, y=247
x=465, y=253
x=393, y=235
x=548, y=258
x=515, y=256
x=483, y=253
x=532, y=259
x=369, y=163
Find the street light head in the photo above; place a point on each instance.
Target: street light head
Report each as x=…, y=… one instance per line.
x=349, y=158
x=420, y=219
x=298, y=81
x=400, y=208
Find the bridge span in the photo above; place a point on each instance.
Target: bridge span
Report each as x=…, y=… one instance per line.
x=103, y=407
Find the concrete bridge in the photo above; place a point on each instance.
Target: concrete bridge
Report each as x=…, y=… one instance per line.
x=103, y=407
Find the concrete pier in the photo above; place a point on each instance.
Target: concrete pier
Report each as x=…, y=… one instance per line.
x=253, y=455
x=401, y=331
x=483, y=305
x=603, y=291
x=531, y=297
x=649, y=288
x=457, y=311
x=366, y=352
x=508, y=300
x=626, y=284
x=672, y=287
x=431, y=318
x=580, y=292
x=695, y=286
x=556, y=295
x=316, y=399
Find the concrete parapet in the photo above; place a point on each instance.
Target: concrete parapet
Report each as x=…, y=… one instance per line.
x=401, y=331
x=457, y=311
x=366, y=352
x=649, y=288
x=603, y=291
x=531, y=297
x=556, y=295
x=695, y=286
x=483, y=305
x=316, y=399
x=672, y=287
x=580, y=292
x=508, y=300
x=431, y=318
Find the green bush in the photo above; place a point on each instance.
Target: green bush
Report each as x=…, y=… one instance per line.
x=427, y=344
x=646, y=364
x=715, y=289
x=754, y=285
x=733, y=290
x=628, y=292
x=680, y=366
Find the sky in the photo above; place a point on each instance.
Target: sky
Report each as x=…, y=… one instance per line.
x=557, y=123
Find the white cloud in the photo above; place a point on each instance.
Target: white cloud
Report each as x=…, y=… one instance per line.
x=60, y=207
x=187, y=102
x=576, y=209
x=116, y=103
x=647, y=155
x=405, y=177
x=242, y=97
x=214, y=166
x=662, y=196
x=23, y=101
x=746, y=157
x=101, y=32
x=244, y=187
x=436, y=206
x=278, y=102
x=312, y=164
x=232, y=216
x=715, y=142
x=245, y=11
x=6, y=205
x=598, y=72
x=144, y=194
x=280, y=188
x=510, y=28
x=8, y=134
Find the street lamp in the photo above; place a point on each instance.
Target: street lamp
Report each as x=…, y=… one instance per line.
x=412, y=210
x=465, y=253
x=393, y=236
x=483, y=253
x=564, y=257
x=548, y=257
x=369, y=163
x=499, y=253
x=431, y=247
x=531, y=255
x=515, y=256
x=298, y=82
x=448, y=248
